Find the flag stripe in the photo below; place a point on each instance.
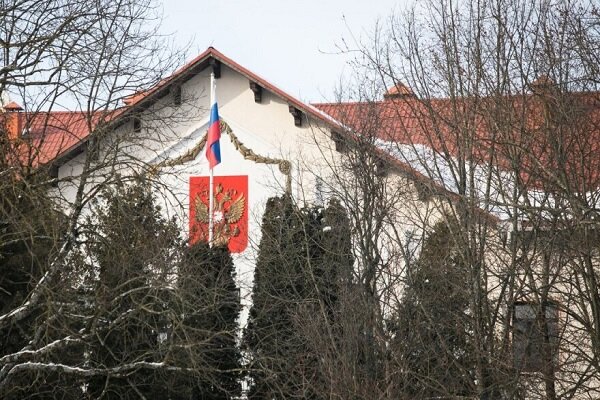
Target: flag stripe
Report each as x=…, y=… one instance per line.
x=213, y=148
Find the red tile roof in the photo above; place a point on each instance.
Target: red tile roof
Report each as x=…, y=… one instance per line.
x=53, y=135
x=48, y=136
x=400, y=118
x=543, y=136
x=56, y=133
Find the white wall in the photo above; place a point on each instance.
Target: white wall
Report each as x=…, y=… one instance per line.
x=169, y=131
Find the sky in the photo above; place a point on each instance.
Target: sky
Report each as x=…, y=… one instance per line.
x=292, y=44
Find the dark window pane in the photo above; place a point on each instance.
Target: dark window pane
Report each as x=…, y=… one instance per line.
x=535, y=336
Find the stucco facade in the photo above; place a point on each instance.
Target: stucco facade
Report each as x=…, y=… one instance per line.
x=162, y=139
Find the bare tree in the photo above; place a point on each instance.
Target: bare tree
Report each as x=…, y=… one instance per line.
x=481, y=116
x=89, y=57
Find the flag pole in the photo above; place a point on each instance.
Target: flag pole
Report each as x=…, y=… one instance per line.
x=210, y=182
x=210, y=210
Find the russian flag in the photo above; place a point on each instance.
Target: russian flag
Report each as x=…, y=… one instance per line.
x=213, y=149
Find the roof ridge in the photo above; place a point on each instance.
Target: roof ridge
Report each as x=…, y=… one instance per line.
x=62, y=112
x=347, y=103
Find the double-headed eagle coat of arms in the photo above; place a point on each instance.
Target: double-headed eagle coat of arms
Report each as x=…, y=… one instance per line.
x=229, y=214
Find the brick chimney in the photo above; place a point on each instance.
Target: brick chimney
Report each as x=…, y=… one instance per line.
x=398, y=91
x=13, y=119
x=543, y=86
x=547, y=92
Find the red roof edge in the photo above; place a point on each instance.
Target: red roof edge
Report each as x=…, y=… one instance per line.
x=313, y=111
x=214, y=53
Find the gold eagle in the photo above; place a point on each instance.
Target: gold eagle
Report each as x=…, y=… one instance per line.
x=233, y=213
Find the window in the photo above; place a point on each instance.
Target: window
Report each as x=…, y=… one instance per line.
x=535, y=335
x=339, y=141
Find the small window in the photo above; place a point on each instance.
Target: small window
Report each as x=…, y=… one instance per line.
x=339, y=140
x=535, y=336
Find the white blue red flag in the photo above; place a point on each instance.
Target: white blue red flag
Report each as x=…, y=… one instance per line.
x=213, y=149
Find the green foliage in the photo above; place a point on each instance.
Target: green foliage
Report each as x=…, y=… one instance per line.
x=132, y=246
x=30, y=234
x=132, y=293
x=205, y=338
x=299, y=272
x=433, y=345
x=159, y=300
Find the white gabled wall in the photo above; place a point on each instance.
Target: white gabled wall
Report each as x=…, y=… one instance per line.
x=267, y=128
x=169, y=131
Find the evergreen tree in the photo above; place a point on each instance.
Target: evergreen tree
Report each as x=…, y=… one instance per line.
x=298, y=274
x=432, y=331
x=30, y=234
x=334, y=258
x=132, y=245
x=208, y=301
x=25, y=245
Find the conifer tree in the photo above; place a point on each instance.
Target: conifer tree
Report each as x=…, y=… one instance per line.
x=132, y=246
x=25, y=244
x=208, y=301
x=133, y=297
x=30, y=233
x=297, y=274
x=432, y=342
x=336, y=260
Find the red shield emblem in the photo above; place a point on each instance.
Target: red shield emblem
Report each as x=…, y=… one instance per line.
x=230, y=212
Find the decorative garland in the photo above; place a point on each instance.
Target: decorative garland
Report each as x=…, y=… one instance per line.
x=285, y=167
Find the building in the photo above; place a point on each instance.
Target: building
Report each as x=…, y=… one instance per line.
x=273, y=144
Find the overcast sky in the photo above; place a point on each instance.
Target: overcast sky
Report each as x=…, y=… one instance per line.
x=292, y=44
